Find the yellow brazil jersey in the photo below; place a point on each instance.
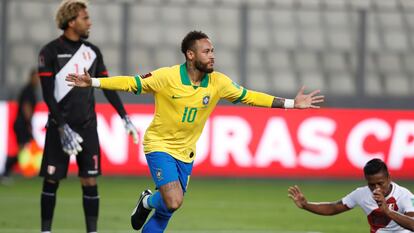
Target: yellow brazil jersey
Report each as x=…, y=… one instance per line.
x=182, y=109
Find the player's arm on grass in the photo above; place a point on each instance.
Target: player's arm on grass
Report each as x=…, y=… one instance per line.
x=321, y=208
x=405, y=220
x=235, y=93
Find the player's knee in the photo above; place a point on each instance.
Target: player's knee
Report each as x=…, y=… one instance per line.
x=89, y=181
x=174, y=206
x=174, y=203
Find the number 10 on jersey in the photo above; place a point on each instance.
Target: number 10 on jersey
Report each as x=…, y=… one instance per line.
x=189, y=115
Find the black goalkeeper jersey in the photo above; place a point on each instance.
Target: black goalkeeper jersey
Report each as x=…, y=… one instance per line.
x=72, y=105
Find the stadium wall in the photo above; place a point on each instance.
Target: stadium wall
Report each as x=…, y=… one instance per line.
x=255, y=142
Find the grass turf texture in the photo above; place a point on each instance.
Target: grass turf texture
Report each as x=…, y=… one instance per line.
x=211, y=205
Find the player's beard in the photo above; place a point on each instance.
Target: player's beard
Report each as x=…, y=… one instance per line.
x=84, y=34
x=203, y=67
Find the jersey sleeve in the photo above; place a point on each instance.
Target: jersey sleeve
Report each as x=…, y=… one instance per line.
x=351, y=200
x=140, y=84
x=408, y=202
x=152, y=82
x=47, y=81
x=119, y=83
x=235, y=93
x=101, y=70
x=45, y=63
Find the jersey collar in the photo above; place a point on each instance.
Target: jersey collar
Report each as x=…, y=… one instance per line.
x=186, y=80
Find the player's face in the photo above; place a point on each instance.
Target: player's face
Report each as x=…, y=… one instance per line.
x=82, y=24
x=379, y=181
x=204, y=56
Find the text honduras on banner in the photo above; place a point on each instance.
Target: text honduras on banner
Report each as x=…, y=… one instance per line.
x=83, y=58
x=245, y=142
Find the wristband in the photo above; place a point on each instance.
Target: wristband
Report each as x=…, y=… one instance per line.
x=97, y=83
x=289, y=103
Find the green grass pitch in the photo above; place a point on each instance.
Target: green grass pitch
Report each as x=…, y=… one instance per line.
x=210, y=205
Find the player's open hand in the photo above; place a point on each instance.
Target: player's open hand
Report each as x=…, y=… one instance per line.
x=303, y=101
x=79, y=80
x=297, y=196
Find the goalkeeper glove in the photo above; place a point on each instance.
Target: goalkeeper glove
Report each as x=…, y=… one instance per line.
x=70, y=140
x=130, y=128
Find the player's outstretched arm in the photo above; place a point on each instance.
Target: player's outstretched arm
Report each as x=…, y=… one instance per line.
x=301, y=101
x=116, y=83
x=321, y=208
x=405, y=220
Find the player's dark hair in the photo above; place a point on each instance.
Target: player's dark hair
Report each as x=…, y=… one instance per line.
x=375, y=166
x=190, y=39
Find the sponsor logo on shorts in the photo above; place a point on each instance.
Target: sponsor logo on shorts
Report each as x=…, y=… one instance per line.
x=92, y=172
x=51, y=170
x=158, y=174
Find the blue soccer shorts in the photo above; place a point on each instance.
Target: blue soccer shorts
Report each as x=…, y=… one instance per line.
x=164, y=169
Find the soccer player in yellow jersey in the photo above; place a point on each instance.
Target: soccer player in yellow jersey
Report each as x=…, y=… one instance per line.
x=185, y=95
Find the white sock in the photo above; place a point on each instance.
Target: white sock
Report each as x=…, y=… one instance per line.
x=145, y=203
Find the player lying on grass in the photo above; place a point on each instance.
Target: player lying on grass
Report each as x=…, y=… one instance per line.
x=388, y=206
x=185, y=95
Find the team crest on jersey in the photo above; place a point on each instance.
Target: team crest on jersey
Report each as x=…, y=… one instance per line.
x=147, y=75
x=158, y=174
x=206, y=100
x=412, y=201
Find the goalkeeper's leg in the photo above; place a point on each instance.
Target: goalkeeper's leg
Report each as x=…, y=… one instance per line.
x=90, y=203
x=47, y=204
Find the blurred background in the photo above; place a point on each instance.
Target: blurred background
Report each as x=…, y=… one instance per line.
x=358, y=52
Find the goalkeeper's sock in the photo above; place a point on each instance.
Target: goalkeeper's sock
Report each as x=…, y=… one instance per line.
x=47, y=204
x=159, y=220
x=91, y=207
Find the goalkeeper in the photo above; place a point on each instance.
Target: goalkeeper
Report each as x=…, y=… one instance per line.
x=72, y=126
x=185, y=95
